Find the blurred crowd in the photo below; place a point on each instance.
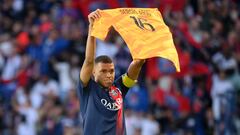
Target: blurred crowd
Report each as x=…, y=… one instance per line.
x=42, y=48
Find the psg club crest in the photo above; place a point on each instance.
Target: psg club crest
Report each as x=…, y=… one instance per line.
x=114, y=92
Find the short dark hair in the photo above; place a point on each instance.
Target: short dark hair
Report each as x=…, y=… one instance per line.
x=103, y=59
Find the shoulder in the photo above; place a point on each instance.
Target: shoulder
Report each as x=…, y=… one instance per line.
x=124, y=83
x=91, y=84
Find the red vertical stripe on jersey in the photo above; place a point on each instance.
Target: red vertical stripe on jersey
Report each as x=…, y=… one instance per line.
x=120, y=129
x=115, y=93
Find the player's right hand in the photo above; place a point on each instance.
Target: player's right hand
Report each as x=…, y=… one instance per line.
x=95, y=15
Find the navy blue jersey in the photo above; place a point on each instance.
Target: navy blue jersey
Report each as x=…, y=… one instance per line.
x=102, y=109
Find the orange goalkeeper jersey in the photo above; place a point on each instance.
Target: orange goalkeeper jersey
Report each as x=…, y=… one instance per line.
x=143, y=30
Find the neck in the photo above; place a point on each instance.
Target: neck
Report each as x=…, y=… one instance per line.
x=103, y=87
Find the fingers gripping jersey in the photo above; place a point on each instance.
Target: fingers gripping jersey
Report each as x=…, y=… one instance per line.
x=143, y=29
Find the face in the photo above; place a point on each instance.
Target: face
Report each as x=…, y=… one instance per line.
x=104, y=74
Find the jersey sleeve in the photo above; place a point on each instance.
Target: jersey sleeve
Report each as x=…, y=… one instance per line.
x=82, y=91
x=83, y=94
x=102, y=26
x=124, y=83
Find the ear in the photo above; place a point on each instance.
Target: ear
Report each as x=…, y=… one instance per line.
x=94, y=73
x=94, y=70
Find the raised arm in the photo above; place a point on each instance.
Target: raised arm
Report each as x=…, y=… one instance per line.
x=88, y=64
x=135, y=68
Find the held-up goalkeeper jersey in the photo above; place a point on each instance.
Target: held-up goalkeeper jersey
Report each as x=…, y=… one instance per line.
x=143, y=29
x=101, y=109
